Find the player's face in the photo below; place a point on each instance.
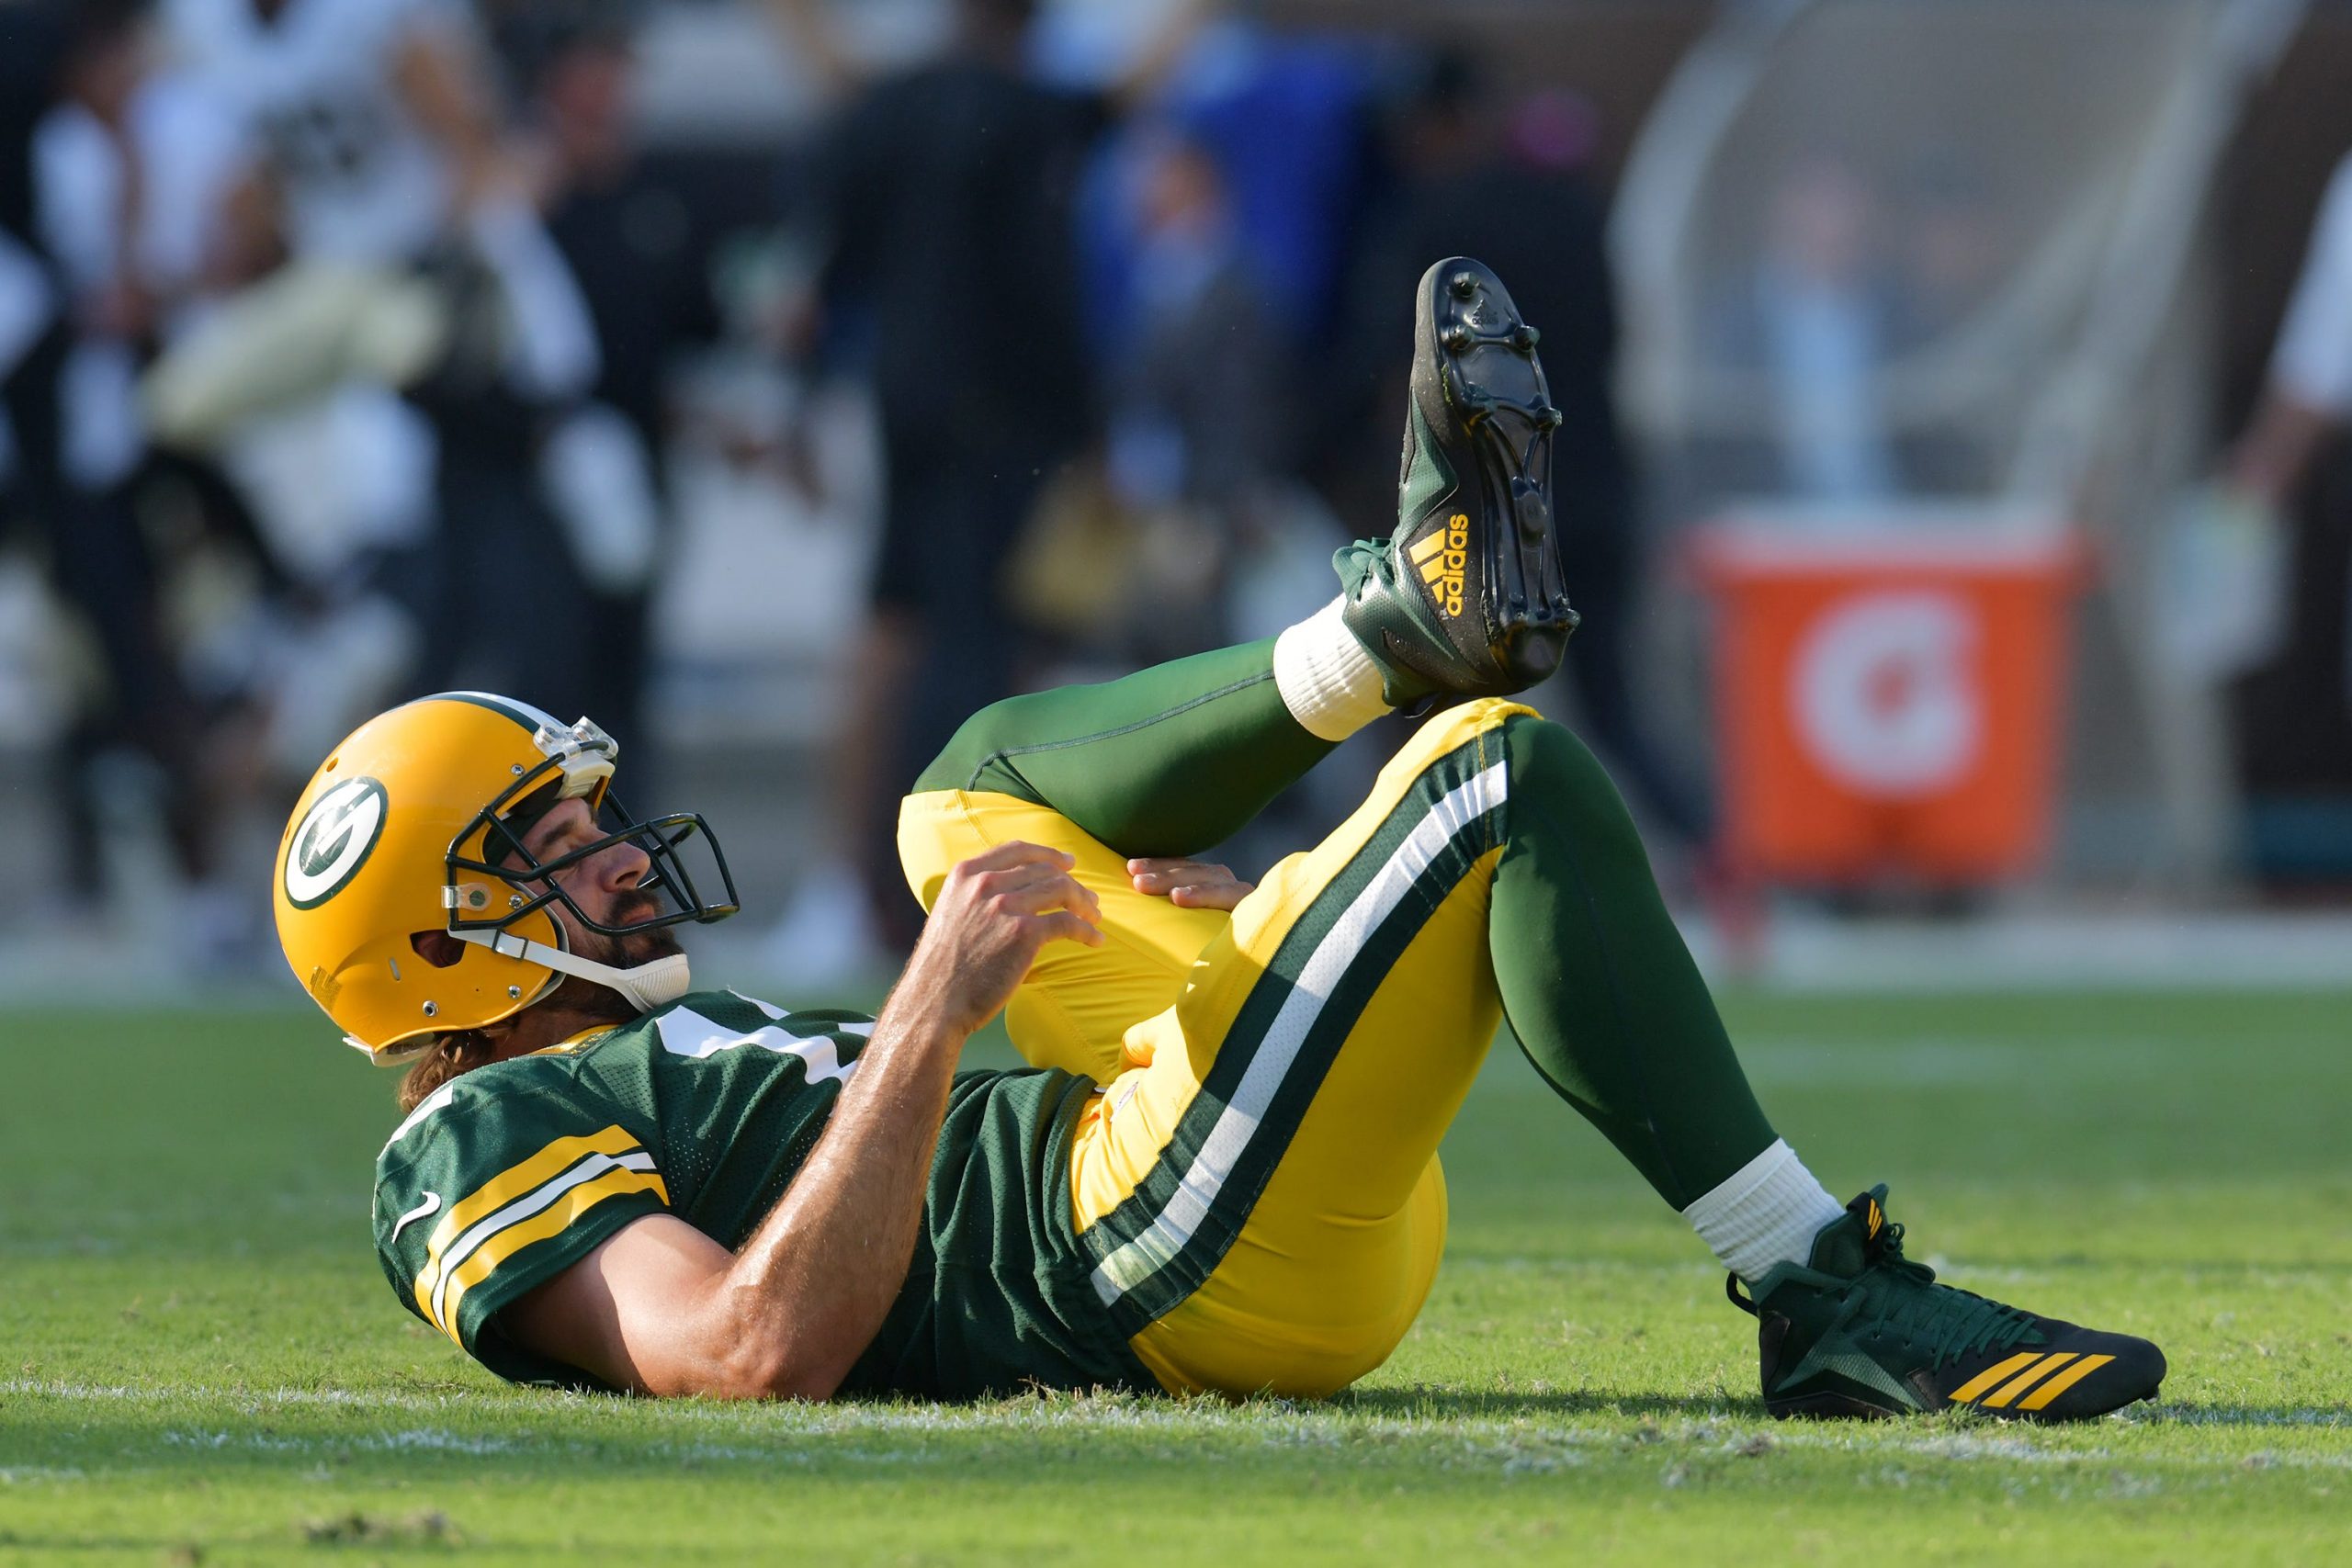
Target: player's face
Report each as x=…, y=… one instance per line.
x=607, y=885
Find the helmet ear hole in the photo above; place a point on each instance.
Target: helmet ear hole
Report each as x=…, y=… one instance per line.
x=437, y=948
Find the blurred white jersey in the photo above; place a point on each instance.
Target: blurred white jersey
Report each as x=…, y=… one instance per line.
x=2313, y=358
x=313, y=89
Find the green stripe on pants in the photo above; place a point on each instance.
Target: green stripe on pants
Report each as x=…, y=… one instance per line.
x=1164, y=1241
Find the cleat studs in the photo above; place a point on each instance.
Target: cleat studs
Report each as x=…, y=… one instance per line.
x=1547, y=418
x=1457, y=339
x=1535, y=518
x=1524, y=338
x=1464, y=284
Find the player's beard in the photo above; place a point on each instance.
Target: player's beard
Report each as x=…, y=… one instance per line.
x=598, y=1002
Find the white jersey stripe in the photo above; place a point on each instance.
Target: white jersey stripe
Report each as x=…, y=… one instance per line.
x=438, y=1099
x=687, y=1033
x=1174, y=1226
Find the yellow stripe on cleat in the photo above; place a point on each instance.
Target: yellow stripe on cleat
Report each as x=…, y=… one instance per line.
x=2026, y=1380
x=2064, y=1380
x=1991, y=1375
x=1428, y=547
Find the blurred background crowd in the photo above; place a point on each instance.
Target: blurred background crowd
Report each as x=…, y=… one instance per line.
x=1949, y=478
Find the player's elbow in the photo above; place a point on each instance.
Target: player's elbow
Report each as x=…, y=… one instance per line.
x=768, y=1373
x=757, y=1360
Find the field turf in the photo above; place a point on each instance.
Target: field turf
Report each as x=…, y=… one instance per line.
x=200, y=1360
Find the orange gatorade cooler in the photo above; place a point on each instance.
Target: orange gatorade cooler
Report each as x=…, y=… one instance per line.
x=1889, y=702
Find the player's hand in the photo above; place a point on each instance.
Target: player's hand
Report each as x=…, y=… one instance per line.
x=992, y=915
x=1188, y=883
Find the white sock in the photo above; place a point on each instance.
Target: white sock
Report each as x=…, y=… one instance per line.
x=1327, y=681
x=1767, y=1212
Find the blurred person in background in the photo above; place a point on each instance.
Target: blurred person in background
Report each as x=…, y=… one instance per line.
x=1130, y=559
x=99, y=161
x=2233, y=547
x=1200, y=412
x=1812, y=318
x=1505, y=180
x=62, y=307
x=1281, y=117
x=629, y=244
x=381, y=243
x=1953, y=250
x=943, y=197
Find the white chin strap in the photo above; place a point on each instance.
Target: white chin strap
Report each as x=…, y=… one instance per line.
x=647, y=985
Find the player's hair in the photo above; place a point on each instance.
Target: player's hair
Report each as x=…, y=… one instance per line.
x=460, y=1051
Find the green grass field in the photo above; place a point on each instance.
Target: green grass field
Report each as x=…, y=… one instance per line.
x=200, y=1361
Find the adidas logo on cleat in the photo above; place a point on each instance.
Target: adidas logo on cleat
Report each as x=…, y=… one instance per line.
x=1442, y=558
x=1996, y=1387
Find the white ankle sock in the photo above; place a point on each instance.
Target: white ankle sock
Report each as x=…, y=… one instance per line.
x=1767, y=1212
x=1327, y=681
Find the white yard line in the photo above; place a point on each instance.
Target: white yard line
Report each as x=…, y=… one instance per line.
x=1518, y=1442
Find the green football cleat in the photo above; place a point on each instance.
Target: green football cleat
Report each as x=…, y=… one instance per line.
x=1468, y=595
x=1865, y=1331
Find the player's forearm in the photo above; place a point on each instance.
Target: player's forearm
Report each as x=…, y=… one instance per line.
x=812, y=1288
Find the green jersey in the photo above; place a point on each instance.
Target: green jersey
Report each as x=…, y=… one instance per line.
x=706, y=1109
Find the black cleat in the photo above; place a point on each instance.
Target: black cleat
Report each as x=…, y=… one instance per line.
x=1865, y=1331
x=1468, y=595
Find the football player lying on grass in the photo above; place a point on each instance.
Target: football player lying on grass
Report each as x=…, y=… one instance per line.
x=1220, y=1172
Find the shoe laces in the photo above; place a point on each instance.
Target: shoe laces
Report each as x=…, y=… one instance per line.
x=1893, y=1294
x=1947, y=1322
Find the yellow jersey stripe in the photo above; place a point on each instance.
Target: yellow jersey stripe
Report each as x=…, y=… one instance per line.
x=517, y=1179
x=593, y=1167
x=552, y=1221
x=2027, y=1379
x=1991, y=1375
x=2064, y=1380
x=501, y=1189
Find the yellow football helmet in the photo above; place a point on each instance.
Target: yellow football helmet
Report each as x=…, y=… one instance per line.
x=414, y=824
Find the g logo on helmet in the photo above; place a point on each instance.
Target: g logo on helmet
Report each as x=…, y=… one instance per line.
x=333, y=842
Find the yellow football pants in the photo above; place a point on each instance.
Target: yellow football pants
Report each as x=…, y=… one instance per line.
x=1258, y=1179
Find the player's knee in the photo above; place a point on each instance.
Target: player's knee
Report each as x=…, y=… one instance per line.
x=977, y=746
x=1542, y=750
x=1548, y=761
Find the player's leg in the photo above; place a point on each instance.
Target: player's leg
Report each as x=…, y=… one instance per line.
x=1604, y=999
x=1167, y=761
x=1263, y=1201
x=1598, y=988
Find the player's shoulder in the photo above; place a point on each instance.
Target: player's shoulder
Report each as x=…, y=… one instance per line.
x=732, y=1028
x=702, y=1022
x=523, y=1130
x=481, y=1112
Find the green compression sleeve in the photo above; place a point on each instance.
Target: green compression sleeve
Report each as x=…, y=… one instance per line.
x=1597, y=983
x=1169, y=761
